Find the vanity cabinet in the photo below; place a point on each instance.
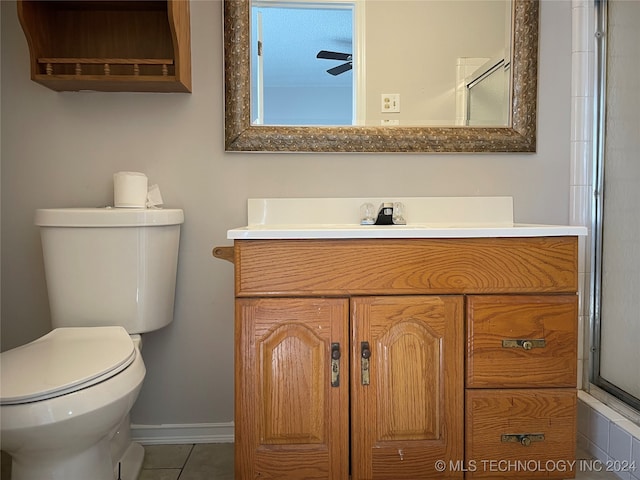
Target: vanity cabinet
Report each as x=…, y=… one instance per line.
x=351, y=359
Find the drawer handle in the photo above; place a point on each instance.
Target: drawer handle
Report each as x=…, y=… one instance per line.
x=527, y=344
x=524, y=439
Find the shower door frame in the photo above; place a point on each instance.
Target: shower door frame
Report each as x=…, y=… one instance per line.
x=599, y=141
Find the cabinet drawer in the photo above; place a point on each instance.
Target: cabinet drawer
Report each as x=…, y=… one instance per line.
x=405, y=266
x=520, y=433
x=522, y=341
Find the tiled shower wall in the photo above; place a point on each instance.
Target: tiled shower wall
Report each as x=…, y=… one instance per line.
x=607, y=435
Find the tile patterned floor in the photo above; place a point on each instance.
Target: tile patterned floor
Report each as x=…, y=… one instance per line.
x=214, y=461
x=205, y=461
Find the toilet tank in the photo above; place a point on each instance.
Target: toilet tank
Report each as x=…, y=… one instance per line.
x=110, y=266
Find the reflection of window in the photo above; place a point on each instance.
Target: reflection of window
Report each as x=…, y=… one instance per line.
x=289, y=85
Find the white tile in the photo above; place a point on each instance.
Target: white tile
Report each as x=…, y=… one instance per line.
x=580, y=163
x=630, y=426
x=579, y=3
x=587, y=398
x=581, y=35
x=580, y=205
x=587, y=296
x=582, y=450
x=585, y=371
x=619, y=442
x=635, y=458
x=581, y=114
x=585, y=343
x=583, y=258
x=584, y=414
x=588, y=306
x=635, y=451
x=620, y=473
x=599, y=432
x=598, y=453
x=608, y=412
x=583, y=309
x=580, y=81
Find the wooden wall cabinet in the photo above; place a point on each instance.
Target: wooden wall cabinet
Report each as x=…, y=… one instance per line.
x=109, y=45
x=350, y=356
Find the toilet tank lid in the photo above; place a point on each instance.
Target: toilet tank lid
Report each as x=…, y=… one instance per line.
x=63, y=361
x=108, y=217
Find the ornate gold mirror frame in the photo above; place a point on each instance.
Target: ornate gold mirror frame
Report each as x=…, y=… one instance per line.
x=241, y=135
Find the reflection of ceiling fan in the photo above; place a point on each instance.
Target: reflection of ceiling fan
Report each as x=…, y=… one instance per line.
x=346, y=57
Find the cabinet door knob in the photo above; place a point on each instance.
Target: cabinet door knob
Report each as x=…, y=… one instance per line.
x=366, y=351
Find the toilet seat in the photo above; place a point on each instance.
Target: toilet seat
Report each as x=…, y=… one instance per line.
x=63, y=361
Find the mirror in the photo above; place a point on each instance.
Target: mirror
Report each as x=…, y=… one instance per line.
x=328, y=62
x=243, y=135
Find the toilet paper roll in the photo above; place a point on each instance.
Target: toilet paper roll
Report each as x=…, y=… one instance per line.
x=130, y=190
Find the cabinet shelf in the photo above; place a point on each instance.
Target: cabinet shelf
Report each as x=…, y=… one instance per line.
x=103, y=45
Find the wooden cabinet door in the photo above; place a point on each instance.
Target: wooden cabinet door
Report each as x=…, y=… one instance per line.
x=290, y=421
x=411, y=412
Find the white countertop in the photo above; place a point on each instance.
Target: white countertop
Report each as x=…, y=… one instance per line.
x=433, y=217
x=272, y=232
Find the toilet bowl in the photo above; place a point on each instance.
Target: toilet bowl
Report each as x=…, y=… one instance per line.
x=60, y=411
x=66, y=397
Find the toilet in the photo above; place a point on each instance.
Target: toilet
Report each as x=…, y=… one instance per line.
x=65, y=397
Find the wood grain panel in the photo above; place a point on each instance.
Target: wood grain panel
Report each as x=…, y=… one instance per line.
x=145, y=29
x=410, y=415
x=492, y=319
x=406, y=266
x=409, y=401
x=180, y=25
x=491, y=413
x=293, y=411
x=290, y=422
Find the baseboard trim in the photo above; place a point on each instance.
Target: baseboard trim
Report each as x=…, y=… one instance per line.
x=183, y=433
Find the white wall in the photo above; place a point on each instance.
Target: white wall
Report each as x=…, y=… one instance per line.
x=61, y=149
x=412, y=48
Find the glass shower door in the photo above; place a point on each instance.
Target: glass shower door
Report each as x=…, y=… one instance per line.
x=618, y=319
